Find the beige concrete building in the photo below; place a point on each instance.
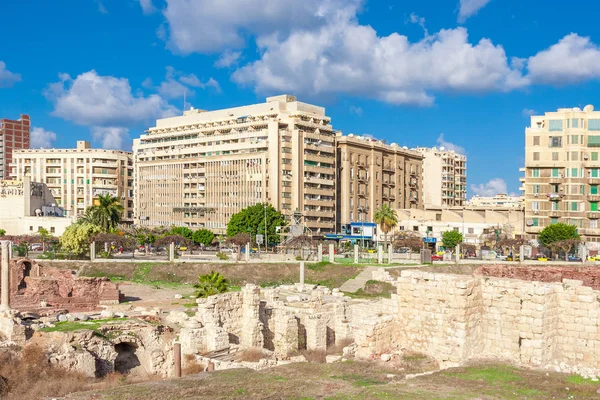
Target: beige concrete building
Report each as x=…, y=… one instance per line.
x=444, y=177
x=498, y=201
x=27, y=206
x=473, y=222
x=200, y=168
x=371, y=174
x=562, y=171
x=78, y=176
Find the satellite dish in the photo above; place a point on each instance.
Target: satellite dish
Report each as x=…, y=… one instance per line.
x=588, y=108
x=442, y=148
x=530, y=223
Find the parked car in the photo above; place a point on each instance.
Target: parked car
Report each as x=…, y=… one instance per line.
x=402, y=250
x=594, y=258
x=437, y=257
x=183, y=248
x=574, y=258
x=541, y=257
x=501, y=257
x=36, y=247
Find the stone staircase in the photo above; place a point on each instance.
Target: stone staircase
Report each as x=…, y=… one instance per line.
x=352, y=285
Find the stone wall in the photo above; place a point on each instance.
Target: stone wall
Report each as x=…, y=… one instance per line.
x=539, y=324
x=589, y=275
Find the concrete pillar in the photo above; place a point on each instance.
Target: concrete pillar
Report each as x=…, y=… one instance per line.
x=320, y=252
x=92, y=251
x=356, y=254
x=457, y=254
x=247, y=254
x=331, y=253
x=522, y=253
x=390, y=253
x=301, y=276
x=177, y=359
x=172, y=251
x=5, y=275
x=380, y=254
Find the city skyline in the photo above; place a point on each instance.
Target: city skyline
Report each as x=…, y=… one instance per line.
x=105, y=70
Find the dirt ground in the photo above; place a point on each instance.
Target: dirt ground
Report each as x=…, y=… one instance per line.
x=140, y=295
x=360, y=380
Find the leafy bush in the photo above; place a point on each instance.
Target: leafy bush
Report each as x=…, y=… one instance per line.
x=222, y=256
x=299, y=258
x=104, y=254
x=211, y=284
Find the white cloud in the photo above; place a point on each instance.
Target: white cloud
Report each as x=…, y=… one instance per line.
x=449, y=146
x=110, y=137
x=147, y=7
x=491, y=188
x=41, y=138
x=527, y=112
x=356, y=110
x=210, y=26
x=468, y=8
x=415, y=19
x=228, y=58
x=101, y=7
x=7, y=78
x=573, y=59
x=177, y=83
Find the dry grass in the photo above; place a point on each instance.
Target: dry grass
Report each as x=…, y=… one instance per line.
x=253, y=354
x=315, y=356
x=191, y=365
x=31, y=376
x=338, y=347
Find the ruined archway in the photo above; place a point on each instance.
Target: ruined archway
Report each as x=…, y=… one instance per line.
x=26, y=272
x=126, y=360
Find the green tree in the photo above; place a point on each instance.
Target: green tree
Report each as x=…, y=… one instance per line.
x=251, y=220
x=2, y=232
x=211, y=284
x=451, y=239
x=387, y=219
x=113, y=241
x=45, y=237
x=556, y=233
x=182, y=231
x=76, y=238
x=203, y=236
x=106, y=214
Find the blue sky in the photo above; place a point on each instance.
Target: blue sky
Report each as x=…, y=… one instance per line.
x=461, y=73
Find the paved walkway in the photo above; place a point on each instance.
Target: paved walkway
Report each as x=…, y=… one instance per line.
x=359, y=282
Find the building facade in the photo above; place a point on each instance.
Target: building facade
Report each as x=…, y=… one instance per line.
x=371, y=174
x=76, y=177
x=14, y=135
x=444, y=177
x=200, y=168
x=498, y=201
x=562, y=171
x=27, y=206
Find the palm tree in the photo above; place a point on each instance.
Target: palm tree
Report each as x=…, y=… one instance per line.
x=387, y=219
x=106, y=214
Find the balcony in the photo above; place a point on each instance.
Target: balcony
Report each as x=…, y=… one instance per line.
x=554, y=213
x=363, y=178
x=593, y=197
x=389, y=183
x=556, y=179
x=389, y=168
x=555, y=196
x=319, y=214
x=593, y=215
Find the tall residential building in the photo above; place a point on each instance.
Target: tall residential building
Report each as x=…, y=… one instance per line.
x=14, y=135
x=199, y=169
x=371, y=174
x=562, y=171
x=444, y=177
x=501, y=200
x=78, y=176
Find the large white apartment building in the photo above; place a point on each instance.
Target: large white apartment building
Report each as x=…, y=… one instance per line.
x=76, y=177
x=200, y=168
x=444, y=177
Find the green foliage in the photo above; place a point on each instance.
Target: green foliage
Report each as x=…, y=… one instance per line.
x=252, y=220
x=76, y=238
x=22, y=250
x=556, y=233
x=203, y=236
x=182, y=231
x=386, y=218
x=451, y=239
x=166, y=241
x=106, y=214
x=2, y=232
x=222, y=256
x=211, y=284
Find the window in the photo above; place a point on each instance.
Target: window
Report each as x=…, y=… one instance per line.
x=31, y=228
x=574, y=139
x=52, y=230
x=536, y=156
x=593, y=223
x=574, y=206
x=536, y=189
x=535, y=205
x=455, y=229
x=536, y=140
x=574, y=156
x=554, y=220
x=593, y=189
x=535, y=173
x=555, y=141
x=416, y=228
x=535, y=222
x=554, y=187
x=555, y=173
x=555, y=206
x=593, y=172
x=574, y=172
x=351, y=173
x=574, y=123
x=593, y=206
x=554, y=156
x=555, y=125
x=593, y=124
x=593, y=141
x=471, y=230
x=581, y=189
x=351, y=216
x=594, y=156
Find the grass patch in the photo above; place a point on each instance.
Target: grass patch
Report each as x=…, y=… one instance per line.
x=489, y=375
x=374, y=289
x=320, y=266
x=68, y=326
x=359, y=380
x=580, y=380
x=267, y=284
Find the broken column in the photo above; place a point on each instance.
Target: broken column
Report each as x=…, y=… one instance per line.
x=302, y=276
x=319, y=252
x=92, y=251
x=251, y=334
x=522, y=253
x=457, y=254
x=331, y=253
x=5, y=275
x=356, y=254
x=390, y=253
x=316, y=333
x=247, y=254
x=172, y=251
x=380, y=254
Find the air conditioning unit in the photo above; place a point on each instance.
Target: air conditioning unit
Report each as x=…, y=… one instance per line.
x=536, y=195
x=585, y=157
